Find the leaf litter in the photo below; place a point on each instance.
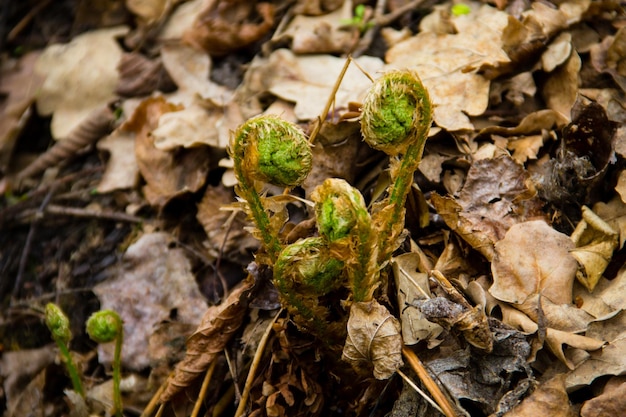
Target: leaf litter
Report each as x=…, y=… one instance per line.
x=509, y=288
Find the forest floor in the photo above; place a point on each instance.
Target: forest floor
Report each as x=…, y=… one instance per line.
x=503, y=286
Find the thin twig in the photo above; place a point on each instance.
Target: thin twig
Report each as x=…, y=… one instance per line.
x=203, y=389
x=154, y=401
x=428, y=382
x=27, y=245
x=419, y=391
x=35, y=215
x=241, y=408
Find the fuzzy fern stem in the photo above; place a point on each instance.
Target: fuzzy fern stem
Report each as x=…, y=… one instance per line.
x=268, y=149
x=396, y=118
x=59, y=326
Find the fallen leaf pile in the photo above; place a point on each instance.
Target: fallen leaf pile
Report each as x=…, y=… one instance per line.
x=510, y=283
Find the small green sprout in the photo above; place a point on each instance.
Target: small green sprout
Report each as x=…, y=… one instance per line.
x=460, y=9
x=103, y=327
x=358, y=19
x=59, y=326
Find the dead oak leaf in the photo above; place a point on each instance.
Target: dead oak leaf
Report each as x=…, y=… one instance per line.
x=533, y=258
x=549, y=399
x=448, y=63
x=374, y=339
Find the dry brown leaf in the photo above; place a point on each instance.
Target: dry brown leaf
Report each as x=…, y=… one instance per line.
x=549, y=399
x=533, y=258
x=610, y=360
x=218, y=325
x=121, y=171
x=309, y=80
x=154, y=280
x=558, y=52
x=614, y=214
x=72, y=70
x=320, y=34
x=374, y=340
x=22, y=372
x=611, y=402
x=19, y=85
x=167, y=174
x=190, y=70
x=447, y=64
x=557, y=339
x=140, y=76
x=225, y=229
x=525, y=148
x=497, y=194
x=561, y=89
x=222, y=27
x=595, y=242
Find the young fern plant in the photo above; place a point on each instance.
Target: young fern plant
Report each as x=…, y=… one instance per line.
x=59, y=326
x=344, y=254
x=268, y=149
x=396, y=119
x=103, y=327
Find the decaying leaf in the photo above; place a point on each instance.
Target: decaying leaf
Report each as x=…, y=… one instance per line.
x=374, y=340
x=218, y=325
x=497, y=194
x=549, y=399
x=154, y=280
x=595, y=242
x=533, y=258
x=311, y=78
x=225, y=229
x=72, y=71
x=614, y=214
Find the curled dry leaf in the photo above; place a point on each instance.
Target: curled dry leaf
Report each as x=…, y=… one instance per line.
x=218, y=325
x=533, y=258
x=167, y=173
x=595, y=242
x=374, y=339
